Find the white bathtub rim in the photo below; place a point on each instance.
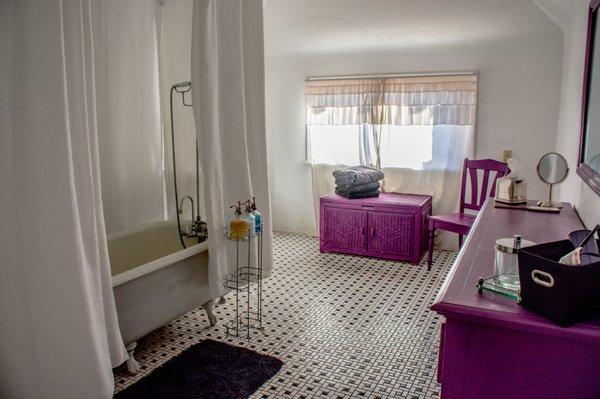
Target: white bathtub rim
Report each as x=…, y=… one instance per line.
x=115, y=235
x=158, y=264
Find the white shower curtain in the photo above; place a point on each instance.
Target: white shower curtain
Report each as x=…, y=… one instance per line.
x=129, y=112
x=229, y=109
x=59, y=336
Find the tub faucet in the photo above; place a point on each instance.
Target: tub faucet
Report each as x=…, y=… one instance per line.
x=198, y=227
x=180, y=211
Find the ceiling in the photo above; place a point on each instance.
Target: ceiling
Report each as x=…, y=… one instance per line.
x=561, y=11
x=321, y=26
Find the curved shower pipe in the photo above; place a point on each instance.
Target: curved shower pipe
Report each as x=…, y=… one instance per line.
x=182, y=88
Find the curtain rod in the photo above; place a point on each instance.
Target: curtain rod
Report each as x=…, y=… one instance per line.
x=389, y=75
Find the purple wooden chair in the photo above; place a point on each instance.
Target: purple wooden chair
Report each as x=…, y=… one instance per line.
x=461, y=222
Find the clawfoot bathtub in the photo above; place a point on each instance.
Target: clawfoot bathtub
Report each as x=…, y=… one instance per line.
x=155, y=280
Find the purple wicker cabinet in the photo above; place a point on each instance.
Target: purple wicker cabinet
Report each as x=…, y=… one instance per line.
x=392, y=226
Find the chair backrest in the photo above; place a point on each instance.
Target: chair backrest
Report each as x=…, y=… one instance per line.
x=471, y=167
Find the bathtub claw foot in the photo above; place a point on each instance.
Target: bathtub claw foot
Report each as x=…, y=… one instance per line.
x=222, y=300
x=208, y=307
x=133, y=366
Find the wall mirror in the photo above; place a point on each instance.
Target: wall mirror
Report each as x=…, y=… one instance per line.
x=589, y=147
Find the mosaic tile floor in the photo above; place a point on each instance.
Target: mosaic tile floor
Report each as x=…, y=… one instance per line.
x=345, y=326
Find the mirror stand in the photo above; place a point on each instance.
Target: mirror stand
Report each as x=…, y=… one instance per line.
x=550, y=204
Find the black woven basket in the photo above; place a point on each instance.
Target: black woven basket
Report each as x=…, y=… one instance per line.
x=561, y=293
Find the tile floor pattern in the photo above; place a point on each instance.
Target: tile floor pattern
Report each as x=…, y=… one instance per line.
x=345, y=326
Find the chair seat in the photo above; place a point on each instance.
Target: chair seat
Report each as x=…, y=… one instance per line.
x=456, y=222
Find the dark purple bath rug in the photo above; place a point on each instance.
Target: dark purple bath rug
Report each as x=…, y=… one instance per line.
x=209, y=369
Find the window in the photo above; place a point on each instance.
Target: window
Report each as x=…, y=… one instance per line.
x=341, y=144
x=412, y=122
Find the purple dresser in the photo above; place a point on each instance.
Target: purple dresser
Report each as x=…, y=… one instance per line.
x=490, y=347
x=392, y=226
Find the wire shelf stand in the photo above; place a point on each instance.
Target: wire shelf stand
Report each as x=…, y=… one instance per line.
x=246, y=282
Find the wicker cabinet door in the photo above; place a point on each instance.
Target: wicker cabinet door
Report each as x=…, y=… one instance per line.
x=345, y=229
x=391, y=233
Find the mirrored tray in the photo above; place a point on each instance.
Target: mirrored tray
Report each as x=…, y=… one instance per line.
x=488, y=284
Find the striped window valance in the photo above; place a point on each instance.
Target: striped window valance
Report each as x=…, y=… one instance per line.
x=408, y=100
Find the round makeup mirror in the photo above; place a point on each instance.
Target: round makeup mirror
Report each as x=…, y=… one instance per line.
x=552, y=169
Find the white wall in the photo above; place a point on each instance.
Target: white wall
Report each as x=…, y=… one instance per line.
x=518, y=101
x=574, y=189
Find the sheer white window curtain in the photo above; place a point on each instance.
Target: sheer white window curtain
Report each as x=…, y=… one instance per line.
x=416, y=129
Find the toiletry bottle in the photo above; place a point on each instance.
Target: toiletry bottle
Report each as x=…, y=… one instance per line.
x=238, y=226
x=249, y=217
x=257, y=217
x=233, y=223
x=241, y=224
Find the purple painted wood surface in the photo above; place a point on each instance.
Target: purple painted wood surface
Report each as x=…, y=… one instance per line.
x=392, y=226
x=490, y=168
x=483, y=361
x=494, y=348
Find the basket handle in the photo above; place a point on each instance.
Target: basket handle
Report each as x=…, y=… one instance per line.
x=542, y=278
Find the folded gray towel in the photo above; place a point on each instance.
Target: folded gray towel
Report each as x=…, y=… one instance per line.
x=368, y=194
x=360, y=188
x=357, y=175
